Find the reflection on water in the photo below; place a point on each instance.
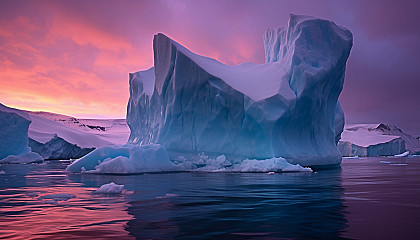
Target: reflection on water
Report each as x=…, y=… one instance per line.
x=24, y=214
x=234, y=206
x=382, y=196
x=328, y=204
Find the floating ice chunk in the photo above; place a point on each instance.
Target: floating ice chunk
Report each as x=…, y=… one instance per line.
x=221, y=164
x=2, y=172
x=384, y=162
x=125, y=159
x=59, y=196
x=268, y=165
x=29, y=157
x=168, y=195
x=110, y=188
x=355, y=157
x=129, y=159
x=404, y=154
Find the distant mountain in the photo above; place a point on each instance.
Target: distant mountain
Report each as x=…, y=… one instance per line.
x=115, y=131
x=56, y=136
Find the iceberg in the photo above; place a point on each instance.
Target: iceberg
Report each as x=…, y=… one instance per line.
x=376, y=140
x=286, y=108
x=110, y=188
x=411, y=143
x=125, y=159
x=14, y=126
x=404, y=154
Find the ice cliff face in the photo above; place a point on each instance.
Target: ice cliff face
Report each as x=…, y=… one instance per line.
x=14, y=126
x=14, y=132
x=287, y=107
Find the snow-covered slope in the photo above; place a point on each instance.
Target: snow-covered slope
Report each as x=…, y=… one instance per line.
x=376, y=140
x=43, y=130
x=14, y=137
x=115, y=131
x=54, y=136
x=411, y=143
x=57, y=136
x=287, y=107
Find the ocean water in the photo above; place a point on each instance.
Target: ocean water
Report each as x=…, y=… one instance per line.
x=367, y=198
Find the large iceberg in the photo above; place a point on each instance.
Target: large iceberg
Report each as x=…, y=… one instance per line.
x=287, y=107
x=14, y=126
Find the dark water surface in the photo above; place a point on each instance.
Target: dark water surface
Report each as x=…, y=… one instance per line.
x=368, y=198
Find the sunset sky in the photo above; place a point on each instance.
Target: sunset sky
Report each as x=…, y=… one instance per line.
x=73, y=57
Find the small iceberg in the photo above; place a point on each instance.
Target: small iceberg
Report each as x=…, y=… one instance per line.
x=168, y=195
x=404, y=154
x=384, y=162
x=110, y=188
x=355, y=157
